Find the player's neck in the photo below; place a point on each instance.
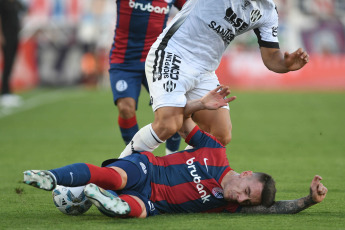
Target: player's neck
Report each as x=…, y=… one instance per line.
x=230, y=176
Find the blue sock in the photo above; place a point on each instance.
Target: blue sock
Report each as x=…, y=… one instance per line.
x=128, y=134
x=72, y=175
x=173, y=143
x=128, y=127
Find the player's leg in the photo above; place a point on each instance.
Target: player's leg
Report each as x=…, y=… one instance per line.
x=216, y=122
x=113, y=205
x=168, y=78
x=173, y=143
x=168, y=120
x=109, y=202
x=10, y=31
x=77, y=175
x=126, y=87
x=127, y=119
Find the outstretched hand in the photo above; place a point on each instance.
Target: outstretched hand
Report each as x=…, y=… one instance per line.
x=317, y=190
x=217, y=98
x=296, y=60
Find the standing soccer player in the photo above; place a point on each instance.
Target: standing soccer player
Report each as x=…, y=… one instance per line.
x=181, y=64
x=138, y=24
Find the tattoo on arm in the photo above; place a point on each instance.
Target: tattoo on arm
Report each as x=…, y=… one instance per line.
x=281, y=207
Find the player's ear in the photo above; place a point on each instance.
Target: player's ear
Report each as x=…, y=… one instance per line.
x=246, y=173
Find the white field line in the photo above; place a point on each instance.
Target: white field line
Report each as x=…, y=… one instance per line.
x=39, y=100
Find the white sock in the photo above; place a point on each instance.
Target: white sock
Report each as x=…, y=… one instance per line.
x=189, y=147
x=168, y=151
x=144, y=140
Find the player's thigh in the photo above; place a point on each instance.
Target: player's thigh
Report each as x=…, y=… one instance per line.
x=217, y=122
x=169, y=79
x=126, y=83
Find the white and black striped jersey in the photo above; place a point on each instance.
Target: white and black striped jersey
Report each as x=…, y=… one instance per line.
x=203, y=29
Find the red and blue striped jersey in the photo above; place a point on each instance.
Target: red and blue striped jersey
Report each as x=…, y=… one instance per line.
x=190, y=181
x=138, y=24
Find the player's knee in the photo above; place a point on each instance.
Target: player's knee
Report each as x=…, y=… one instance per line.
x=167, y=127
x=126, y=110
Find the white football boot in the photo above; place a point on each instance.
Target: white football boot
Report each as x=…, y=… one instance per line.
x=106, y=202
x=40, y=179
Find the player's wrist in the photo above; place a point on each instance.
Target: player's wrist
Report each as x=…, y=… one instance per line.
x=310, y=199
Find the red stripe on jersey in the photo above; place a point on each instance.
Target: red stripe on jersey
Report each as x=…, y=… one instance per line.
x=215, y=157
x=121, y=37
x=224, y=173
x=191, y=134
x=179, y=4
x=155, y=27
x=181, y=193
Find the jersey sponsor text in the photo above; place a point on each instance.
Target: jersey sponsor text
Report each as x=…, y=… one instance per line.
x=197, y=180
x=148, y=7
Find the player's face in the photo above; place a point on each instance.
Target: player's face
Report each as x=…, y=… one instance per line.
x=246, y=190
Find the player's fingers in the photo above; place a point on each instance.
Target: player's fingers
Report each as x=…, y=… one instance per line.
x=225, y=91
x=299, y=51
x=216, y=89
x=230, y=99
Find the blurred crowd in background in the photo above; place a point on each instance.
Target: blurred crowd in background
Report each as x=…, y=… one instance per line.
x=66, y=42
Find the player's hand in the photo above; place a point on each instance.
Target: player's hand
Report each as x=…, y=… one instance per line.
x=217, y=98
x=317, y=190
x=296, y=60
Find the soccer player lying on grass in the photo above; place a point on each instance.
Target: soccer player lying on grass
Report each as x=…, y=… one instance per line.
x=195, y=180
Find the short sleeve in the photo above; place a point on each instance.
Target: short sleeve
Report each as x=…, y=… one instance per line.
x=267, y=32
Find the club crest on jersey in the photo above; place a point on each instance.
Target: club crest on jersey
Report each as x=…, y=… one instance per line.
x=236, y=22
x=255, y=15
x=121, y=85
x=169, y=86
x=217, y=192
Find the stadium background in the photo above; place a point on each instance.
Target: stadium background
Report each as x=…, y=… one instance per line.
x=66, y=42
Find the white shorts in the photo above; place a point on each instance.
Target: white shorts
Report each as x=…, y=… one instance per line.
x=172, y=82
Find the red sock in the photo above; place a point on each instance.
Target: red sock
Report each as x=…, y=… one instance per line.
x=106, y=178
x=136, y=209
x=127, y=123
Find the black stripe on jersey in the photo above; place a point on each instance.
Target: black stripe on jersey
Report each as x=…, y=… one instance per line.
x=161, y=63
x=171, y=32
x=157, y=67
x=264, y=43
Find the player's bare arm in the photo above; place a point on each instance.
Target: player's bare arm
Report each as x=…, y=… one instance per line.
x=317, y=193
x=278, y=62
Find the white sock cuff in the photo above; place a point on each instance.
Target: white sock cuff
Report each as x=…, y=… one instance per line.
x=153, y=133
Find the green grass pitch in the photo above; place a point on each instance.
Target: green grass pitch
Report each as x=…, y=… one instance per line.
x=292, y=136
